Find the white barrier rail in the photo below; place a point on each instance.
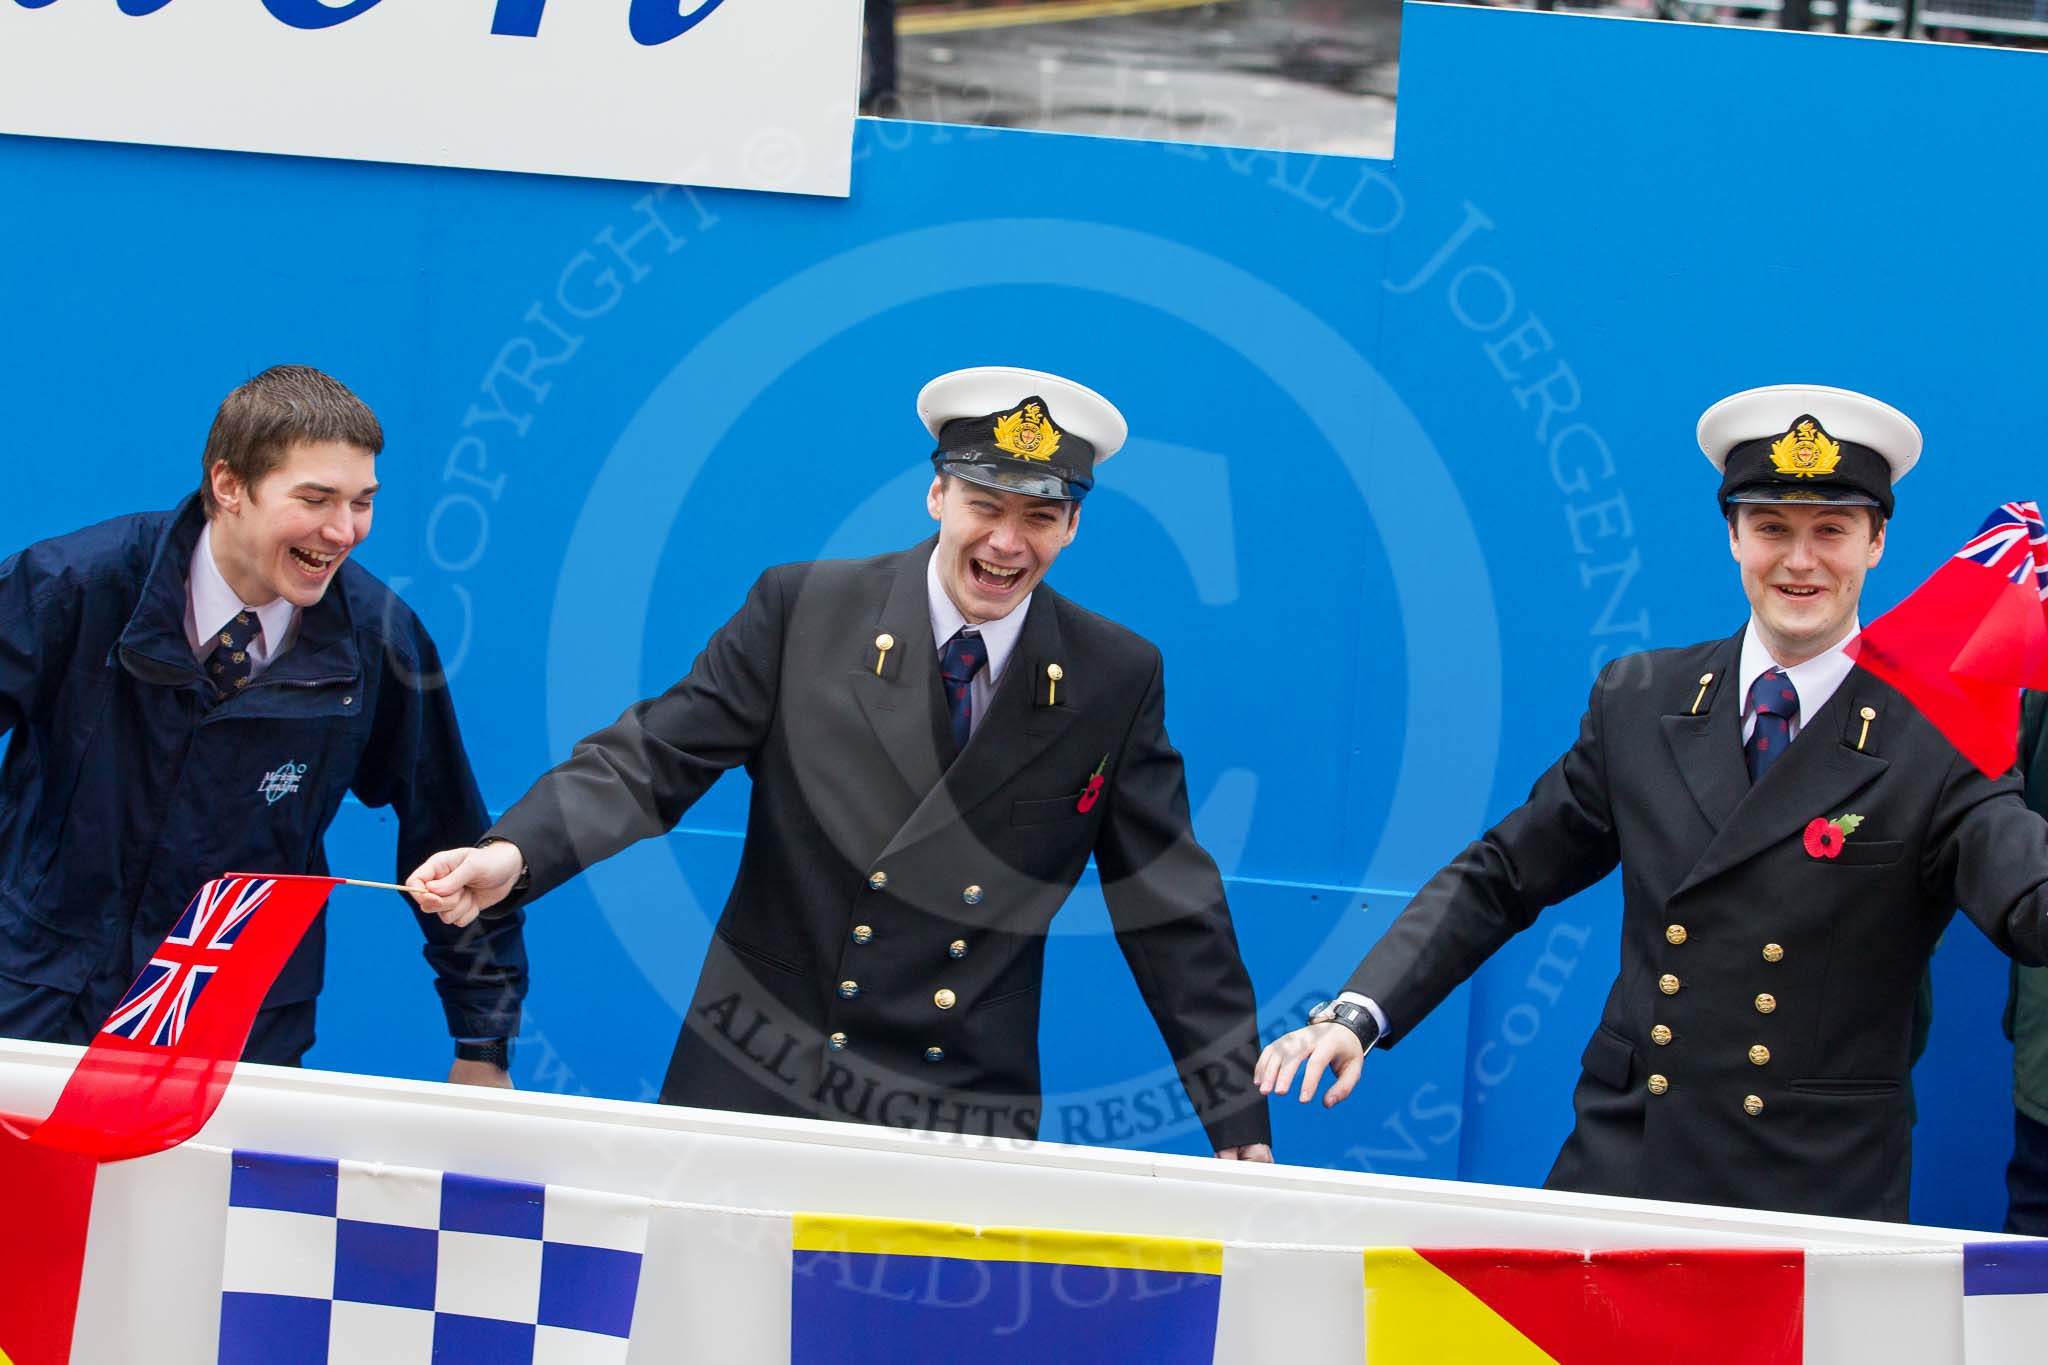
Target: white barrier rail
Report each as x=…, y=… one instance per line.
x=143, y=1254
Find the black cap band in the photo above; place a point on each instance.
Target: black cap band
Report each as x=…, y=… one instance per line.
x=1805, y=466
x=1019, y=450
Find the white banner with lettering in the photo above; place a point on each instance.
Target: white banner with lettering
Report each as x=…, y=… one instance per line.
x=746, y=94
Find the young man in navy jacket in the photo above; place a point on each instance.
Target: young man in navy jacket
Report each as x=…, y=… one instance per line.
x=193, y=692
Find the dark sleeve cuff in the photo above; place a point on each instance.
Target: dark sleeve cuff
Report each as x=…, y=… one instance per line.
x=1241, y=1126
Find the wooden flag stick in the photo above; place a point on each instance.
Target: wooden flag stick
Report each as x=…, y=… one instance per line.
x=378, y=886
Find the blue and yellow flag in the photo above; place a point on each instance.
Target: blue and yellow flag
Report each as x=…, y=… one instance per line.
x=876, y=1289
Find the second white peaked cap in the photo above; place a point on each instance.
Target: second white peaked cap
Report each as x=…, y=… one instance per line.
x=1844, y=414
x=1791, y=444
x=996, y=388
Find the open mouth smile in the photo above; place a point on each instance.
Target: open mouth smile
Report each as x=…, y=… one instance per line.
x=994, y=577
x=314, y=563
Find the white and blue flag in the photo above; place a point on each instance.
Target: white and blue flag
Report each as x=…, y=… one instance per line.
x=340, y=1261
x=2005, y=1301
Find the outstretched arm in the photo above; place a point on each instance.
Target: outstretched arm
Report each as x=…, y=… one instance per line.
x=1173, y=924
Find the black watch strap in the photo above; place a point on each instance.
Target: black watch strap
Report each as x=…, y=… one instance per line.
x=1351, y=1015
x=497, y=1051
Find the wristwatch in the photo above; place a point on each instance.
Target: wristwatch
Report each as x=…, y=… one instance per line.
x=1353, y=1016
x=496, y=1051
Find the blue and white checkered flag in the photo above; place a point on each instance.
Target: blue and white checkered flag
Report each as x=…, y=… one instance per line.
x=337, y=1261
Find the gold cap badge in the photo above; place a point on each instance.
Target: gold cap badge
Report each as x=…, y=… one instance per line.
x=1028, y=433
x=1805, y=452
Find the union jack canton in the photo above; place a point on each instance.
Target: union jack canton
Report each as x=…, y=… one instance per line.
x=156, y=1007
x=2013, y=541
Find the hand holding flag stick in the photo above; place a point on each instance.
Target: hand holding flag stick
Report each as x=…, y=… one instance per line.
x=458, y=884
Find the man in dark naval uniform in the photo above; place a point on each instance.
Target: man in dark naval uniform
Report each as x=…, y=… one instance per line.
x=1792, y=835
x=938, y=743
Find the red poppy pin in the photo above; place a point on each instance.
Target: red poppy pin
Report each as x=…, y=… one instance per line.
x=1091, y=793
x=1824, y=838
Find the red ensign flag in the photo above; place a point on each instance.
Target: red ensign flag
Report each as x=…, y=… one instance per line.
x=1968, y=639
x=154, y=1073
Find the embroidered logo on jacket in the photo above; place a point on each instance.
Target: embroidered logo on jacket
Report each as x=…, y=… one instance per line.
x=282, y=780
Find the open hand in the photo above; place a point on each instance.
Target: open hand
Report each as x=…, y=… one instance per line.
x=1326, y=1046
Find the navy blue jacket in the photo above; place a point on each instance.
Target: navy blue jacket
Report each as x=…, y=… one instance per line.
x=125, y=787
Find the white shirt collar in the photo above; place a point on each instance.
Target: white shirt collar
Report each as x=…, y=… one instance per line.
x=210, y=604
x=1000, y=636
x=1815, y=680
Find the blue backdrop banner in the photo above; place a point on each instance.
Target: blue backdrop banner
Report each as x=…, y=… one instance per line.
x=1411, y=458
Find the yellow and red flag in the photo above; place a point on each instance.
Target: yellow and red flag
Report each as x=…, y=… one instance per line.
x=1508, y=1307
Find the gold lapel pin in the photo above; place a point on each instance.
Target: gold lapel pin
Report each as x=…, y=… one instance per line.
x=883, y=644
x=1705, y=678
x=1053, y=674
x=1869, y=714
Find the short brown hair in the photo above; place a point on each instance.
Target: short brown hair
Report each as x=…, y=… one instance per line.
x=265, y=417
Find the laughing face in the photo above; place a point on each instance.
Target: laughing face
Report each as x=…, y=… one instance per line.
x=1802, y=569
x=994, y=547
x=286, y=534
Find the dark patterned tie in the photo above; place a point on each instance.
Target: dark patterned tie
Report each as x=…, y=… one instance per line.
x=1776, y=705
x=963, y=657
x=228, y=666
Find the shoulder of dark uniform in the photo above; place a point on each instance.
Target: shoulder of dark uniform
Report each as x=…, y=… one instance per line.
x=1667, y=670
x=843, y=572
x=834, y=580
x=1093, y=636
x=1675, y=662
x=1902, y=726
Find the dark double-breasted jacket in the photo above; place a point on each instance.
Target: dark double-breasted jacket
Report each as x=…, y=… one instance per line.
x=1755, y=1048
x=879, y=957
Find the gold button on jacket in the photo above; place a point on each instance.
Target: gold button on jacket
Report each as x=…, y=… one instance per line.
x=944, y=998
x=1674, y=934
x=1661, y=1035
x=1668, y=984
x=1759, y=1055
x=1766, y=1002
x=1752, y=1105
x=877, y=880
x=1773, y=953
x=1658, y=1085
